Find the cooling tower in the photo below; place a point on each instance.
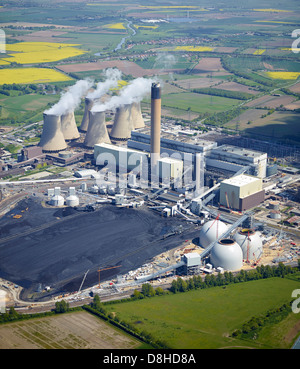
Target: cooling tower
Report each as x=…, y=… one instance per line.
x=85, y=119
x=97, y=131
x=69, y=127
x=155, y=122
x=136, y=115
x=123, y=124
x=52, y=139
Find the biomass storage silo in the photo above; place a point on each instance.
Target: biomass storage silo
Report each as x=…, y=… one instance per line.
x=123, y=124
x=250, y=243
x=97, y=130
x=85, y=119
x=211, y=231
x=52, y=138
x=227, y=254
x=136, y=115
x=69, y=127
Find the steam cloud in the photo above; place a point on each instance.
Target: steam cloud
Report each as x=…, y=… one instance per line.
x=70, y=100
x=135, y=91
x=112, y=76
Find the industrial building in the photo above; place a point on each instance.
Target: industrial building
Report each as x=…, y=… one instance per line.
x=241, y=192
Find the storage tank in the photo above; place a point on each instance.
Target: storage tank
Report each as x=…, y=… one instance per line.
x=52, y=138
x=69, y=127
x=274, y=205
x=275, y=214
x=211, y=231
x=227, y=254
x=57, y=200
x=72, y=200
x=250, y=243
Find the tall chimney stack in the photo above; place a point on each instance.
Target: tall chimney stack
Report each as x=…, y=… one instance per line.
x=155, y=122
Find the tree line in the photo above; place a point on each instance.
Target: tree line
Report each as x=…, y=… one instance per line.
x=239, y=95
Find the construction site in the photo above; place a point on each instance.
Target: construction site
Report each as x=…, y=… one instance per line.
x=168, y=206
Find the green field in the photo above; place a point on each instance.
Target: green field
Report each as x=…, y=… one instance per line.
x=198, y=103
x=204, y=319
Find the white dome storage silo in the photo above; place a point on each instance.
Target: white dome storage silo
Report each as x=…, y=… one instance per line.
x=227, y=254
x=250, y=243
x=72, y=200
x=57, y=200
x=211, y=231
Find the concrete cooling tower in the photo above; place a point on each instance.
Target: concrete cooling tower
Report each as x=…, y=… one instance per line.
x=136, y=115
x=250, y=243
x=211, y=231
x=227, y=254
x=52, y=139
x=85, y=119
x=123, y=124
x=69, y=127
x=97, y=131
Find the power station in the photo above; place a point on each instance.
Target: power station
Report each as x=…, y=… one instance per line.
x=142, y=151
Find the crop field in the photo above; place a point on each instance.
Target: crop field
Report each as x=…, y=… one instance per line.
x=199, y=103
x=78, y=330
x=271, y=102
x=40, y=52
x=283, y=75
x=31, y=75
x=204, y=319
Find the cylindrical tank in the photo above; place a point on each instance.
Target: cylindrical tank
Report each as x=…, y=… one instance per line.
x=211, y=231
x=227, y=254
x=72, y=200
x=57, y=200
x=275, y=214
x=97, y=131
x=274, y=205
x=52, y=138
x=69, y=127
x=250, y=243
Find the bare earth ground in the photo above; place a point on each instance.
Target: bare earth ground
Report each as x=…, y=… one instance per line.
x=271, y=101
x=126, y=67
x=79, y=330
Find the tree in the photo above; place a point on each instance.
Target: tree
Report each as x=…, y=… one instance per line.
x=61, y=307
x=96, y=304
x=147, y=290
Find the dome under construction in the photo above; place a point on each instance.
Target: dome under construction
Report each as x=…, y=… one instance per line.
x=250, y=243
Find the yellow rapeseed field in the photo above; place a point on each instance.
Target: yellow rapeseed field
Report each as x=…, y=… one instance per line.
x=31, y=75
x=271, y=10
x=259, y=51
x=40, y=52
x=283, y=75
x=115, y=26
x=194, y=48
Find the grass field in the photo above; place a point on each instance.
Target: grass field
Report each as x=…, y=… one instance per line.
x=78, y=330
x=205, y=318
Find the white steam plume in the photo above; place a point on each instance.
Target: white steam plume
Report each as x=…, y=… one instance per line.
x=112, y=77
x=71, y=99
x=135, y=91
